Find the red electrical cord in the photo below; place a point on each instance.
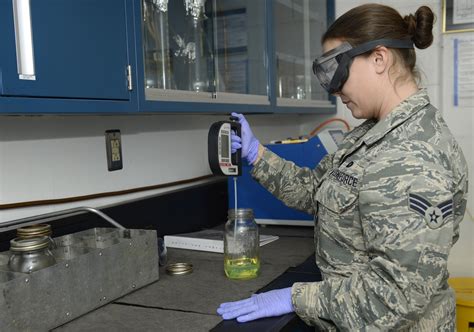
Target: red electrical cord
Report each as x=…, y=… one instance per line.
x=325, y=123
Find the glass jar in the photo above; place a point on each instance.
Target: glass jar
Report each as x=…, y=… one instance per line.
x=241, y=245
x=39, y=230
x=28, y=255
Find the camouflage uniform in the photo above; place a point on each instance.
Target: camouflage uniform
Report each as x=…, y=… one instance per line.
x=387, y=207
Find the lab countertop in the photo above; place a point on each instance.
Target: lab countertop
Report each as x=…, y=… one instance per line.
x=189, y=302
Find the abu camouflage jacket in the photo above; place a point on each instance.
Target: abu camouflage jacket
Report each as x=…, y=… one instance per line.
x=387, y=207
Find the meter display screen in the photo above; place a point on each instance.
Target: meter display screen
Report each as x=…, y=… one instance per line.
x=224, y=146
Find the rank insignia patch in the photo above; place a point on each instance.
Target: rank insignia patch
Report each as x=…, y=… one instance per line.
x=434, y=215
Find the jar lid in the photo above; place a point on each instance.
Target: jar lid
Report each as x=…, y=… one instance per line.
x=240, y=213
x=34, y=231
x=179, y=268
x=32, y=244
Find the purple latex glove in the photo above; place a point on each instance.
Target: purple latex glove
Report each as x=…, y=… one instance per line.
x=269, y=304
x=248, y=142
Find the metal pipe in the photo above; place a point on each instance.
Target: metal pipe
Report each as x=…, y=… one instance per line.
x=6, y=226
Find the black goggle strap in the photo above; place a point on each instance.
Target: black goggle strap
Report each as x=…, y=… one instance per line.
x=393, y=43
x=340, y=76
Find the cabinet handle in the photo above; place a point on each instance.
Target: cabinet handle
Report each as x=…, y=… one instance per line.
x=129, y=78
x=24, y=40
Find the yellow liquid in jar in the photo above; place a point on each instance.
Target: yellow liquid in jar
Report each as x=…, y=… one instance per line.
x=242, y=268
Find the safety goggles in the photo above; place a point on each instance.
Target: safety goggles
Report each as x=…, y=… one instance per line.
x=332, y=68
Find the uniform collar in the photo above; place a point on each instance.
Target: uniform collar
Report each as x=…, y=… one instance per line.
x=371, y=131
x=353, y=140
x=401, y=113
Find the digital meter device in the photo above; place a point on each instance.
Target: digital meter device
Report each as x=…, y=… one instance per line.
x=221, y=160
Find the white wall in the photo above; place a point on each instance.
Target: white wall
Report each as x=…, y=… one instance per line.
x=52, y=157
x=436, y=64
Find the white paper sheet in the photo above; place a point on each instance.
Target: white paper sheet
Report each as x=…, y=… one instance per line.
x=463, y=11
x=464, y=72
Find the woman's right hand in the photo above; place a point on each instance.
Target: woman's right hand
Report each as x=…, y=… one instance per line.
x=248, y=142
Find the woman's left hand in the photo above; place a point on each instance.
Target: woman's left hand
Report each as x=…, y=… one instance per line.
x=269, y=304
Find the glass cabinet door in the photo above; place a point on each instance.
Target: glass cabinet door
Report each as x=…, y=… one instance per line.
x=178, y=49
x=205, y=50
x=240, y=48
x=299, y=25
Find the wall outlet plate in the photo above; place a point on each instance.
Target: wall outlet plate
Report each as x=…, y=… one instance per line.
x=113, y=146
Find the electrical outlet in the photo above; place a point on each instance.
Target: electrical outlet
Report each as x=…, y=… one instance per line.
x=113, y=146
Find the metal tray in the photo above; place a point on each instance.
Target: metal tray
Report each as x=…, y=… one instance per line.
x=94, y=267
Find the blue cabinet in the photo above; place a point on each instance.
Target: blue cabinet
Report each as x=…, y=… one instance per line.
x=130, y=56
x=80, y=52
x=231, y=55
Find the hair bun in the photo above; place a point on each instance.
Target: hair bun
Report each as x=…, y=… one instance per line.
x=420, y=27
